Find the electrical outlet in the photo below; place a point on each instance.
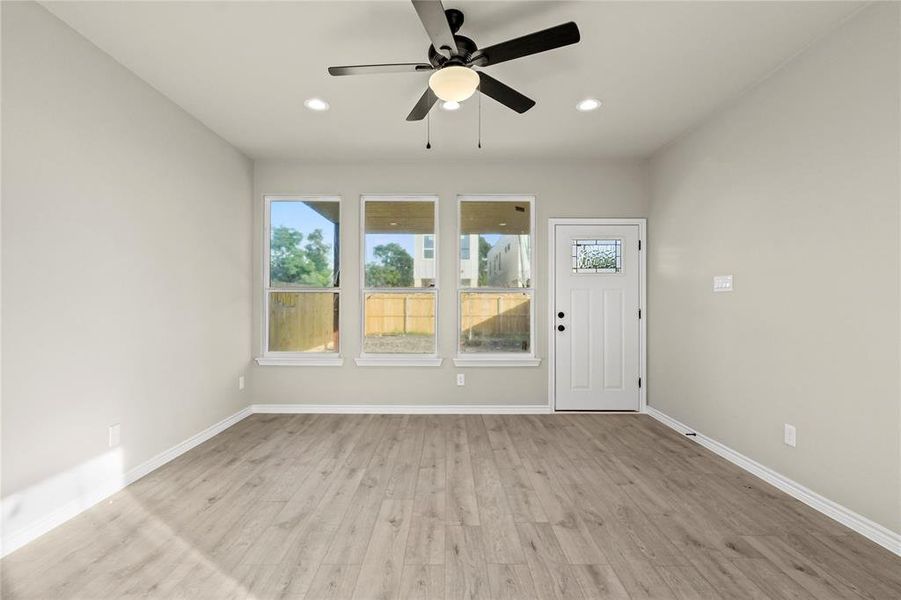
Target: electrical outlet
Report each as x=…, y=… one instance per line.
x=791, y=435
x=241, y=382
x=114, y=435
x=461, y=379
x=722, y=283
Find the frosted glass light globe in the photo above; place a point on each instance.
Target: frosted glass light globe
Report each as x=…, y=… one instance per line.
x=454, y=84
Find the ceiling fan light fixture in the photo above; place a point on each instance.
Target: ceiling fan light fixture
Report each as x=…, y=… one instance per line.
x=450, y=105
x=454, y=84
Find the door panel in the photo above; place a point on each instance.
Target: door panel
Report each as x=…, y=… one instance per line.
x=596, y=288
x=612, y=334
x=580, y=334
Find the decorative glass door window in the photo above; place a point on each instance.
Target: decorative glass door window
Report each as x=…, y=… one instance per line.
x=597, y=256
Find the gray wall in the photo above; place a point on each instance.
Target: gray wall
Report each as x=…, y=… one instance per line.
x=794, y=189
x=126, y=262
x=614, y=189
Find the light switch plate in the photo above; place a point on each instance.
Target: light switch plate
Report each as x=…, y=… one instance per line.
x=791, y=435
x=114, y=435
x=241, y=382
x=722, y=283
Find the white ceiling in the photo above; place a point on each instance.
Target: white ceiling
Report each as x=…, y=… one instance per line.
x=245, y=68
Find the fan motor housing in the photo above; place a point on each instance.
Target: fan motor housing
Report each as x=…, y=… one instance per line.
x=465, y=48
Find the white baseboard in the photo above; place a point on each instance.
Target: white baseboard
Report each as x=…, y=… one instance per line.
x=883, y=536
x=404, y=409
x=28, y=514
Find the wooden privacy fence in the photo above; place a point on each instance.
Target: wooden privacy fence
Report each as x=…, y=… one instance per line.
x=398, y=314
x=490, y=315
x=308, y=321
x=483, y=314
x=303, y=321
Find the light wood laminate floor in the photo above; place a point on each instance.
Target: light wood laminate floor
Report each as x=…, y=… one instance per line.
x=320, y=507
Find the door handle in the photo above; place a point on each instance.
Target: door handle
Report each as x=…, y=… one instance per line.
x=561, y=328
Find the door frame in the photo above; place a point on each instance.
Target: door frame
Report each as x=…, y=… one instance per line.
x=642, y=303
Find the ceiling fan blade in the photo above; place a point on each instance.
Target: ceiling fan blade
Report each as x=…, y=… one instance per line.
x=431, y=13
x=540, y=41
x=386, y=68
x=425, y=104
x=504, y=94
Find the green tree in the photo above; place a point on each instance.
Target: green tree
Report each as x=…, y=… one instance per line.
x=318, y=253
x=292, y=263
x=393, y=269
x=484, y=248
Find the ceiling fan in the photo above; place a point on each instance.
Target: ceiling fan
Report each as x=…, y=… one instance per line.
x=452, y=58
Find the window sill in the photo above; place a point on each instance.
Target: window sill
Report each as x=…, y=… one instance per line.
x=300, y=361
x=496, y=361
x=398, y=361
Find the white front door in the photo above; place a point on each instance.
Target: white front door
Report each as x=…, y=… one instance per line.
x=596, y=319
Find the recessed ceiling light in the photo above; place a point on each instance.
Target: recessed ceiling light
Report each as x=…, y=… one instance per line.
x=450, y=105
x=502, y=224
x=316, y=104
x=588, y=104
x=393, y=224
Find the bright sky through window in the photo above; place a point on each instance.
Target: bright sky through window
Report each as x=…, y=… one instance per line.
x=301, y=217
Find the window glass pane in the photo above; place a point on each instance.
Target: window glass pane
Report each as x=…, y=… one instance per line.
x=495, y=322
x=465, y=242
x=396, y=234
x=500, y=231
x=597, y=256
x=303, y=322
x=399, y=323
x=303, y=243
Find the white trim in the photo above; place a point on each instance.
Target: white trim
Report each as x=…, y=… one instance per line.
x=301, y=361
x=496, y=361
x=531, y=200
x=403, y=409
x=642, y=302
x=398, y=360
x=883, y=536
x=76, y=490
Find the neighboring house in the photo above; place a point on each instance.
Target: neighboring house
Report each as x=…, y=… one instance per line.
x=424, y=260
x=469, y=260
x=508, y=262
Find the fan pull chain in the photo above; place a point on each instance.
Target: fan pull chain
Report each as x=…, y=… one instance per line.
x=428, y=131
x=480, y=116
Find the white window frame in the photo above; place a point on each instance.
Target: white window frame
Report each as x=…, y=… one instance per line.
x=367, y=359
x=497, y=359
x=302, y=359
